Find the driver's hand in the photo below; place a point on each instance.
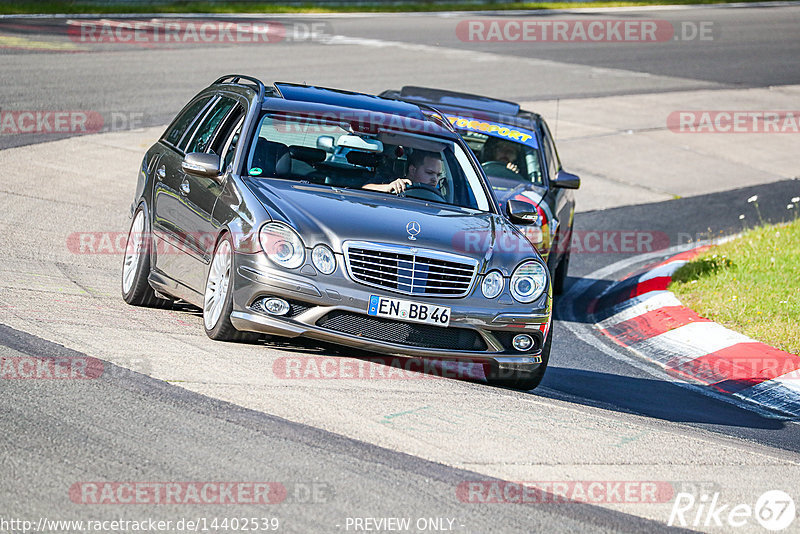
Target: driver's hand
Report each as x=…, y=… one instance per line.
x=398, y=186
x=512, y=167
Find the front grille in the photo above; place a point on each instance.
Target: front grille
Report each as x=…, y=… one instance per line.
x=414, y=335
x=409, y=270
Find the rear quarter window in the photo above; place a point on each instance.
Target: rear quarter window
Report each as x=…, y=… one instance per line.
x=204, y=133
x=184, y=120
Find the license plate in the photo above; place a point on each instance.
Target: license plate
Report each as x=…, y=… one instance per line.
x=406, y=310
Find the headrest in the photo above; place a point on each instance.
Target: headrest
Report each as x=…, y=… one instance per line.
x=272, y=158
x=307, y=154
x=365, y=159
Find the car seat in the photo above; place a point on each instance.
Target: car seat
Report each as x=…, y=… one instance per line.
x=272, y=158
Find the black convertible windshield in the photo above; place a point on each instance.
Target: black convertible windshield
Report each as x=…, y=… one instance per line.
x=331, y=153
x=505, y=158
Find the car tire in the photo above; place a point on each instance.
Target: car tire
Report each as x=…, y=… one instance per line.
x=136, y=289
x=519, y=379
x=560, y=276
x=218, y=296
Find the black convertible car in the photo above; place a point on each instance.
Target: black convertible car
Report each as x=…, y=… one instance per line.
x=292, y=210
x=518, y=154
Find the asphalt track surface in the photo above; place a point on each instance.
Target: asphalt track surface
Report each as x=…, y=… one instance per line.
x=139, y=426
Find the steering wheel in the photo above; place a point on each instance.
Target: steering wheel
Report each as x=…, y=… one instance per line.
x=500, y=170
x=423, y=192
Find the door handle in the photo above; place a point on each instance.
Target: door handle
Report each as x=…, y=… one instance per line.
x=185, y=187
x=161, y=173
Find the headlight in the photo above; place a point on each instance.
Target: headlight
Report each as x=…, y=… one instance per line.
x=323, y=259
x=528, y=281
x=282, y=245
x=492, y=284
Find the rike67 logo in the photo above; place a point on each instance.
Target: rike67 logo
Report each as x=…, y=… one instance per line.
x=774, y=510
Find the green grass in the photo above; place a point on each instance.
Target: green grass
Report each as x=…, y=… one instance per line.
x=751, y=285
x=180, y=6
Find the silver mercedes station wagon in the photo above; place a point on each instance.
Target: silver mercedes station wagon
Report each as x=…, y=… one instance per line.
x=292, y=210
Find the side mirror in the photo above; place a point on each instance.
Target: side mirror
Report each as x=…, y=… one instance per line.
x=566, y=180
x=521, y=212
x=201, y=164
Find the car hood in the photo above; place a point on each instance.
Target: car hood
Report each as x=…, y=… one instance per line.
x=329, y=215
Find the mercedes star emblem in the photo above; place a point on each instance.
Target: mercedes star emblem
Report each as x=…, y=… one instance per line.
x=413, y=229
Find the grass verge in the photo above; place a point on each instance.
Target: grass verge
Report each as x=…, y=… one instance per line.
x=751, y=285
x=76, y=6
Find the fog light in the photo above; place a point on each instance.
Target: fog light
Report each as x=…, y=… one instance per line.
x=522, y=342
x=276, y=306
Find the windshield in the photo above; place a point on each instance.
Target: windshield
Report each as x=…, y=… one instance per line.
x=503, y=158
x=331, y=153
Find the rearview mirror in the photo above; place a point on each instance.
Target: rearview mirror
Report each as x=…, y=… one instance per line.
x=521, y=212
x=325, y=142
x=566, y=180
x=201, y=164
x=359, y=143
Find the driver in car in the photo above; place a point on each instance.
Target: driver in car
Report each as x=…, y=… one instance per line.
x=503, y=152
x=424, y=167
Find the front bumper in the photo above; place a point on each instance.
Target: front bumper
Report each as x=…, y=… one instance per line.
x=332, y=308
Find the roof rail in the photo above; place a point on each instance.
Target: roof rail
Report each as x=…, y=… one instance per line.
x=435, y=115
x=234, y=78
